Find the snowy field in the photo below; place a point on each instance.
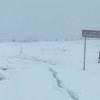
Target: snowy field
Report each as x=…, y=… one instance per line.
x=49, y=71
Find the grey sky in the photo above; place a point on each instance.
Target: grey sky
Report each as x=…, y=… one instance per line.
x=48, y=18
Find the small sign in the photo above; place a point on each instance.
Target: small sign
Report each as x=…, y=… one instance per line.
x=91, y=33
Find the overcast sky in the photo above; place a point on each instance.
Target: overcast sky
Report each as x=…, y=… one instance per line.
x=48, y=19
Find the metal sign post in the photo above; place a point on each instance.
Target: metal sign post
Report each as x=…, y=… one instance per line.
x=90, y=34
x=84, y=54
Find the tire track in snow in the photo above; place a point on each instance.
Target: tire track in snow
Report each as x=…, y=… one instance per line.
x=30, y=58
x=60, y=85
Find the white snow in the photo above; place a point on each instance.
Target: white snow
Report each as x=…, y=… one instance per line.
x=49, y=71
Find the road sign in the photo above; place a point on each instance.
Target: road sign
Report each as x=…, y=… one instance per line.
x=91, y=33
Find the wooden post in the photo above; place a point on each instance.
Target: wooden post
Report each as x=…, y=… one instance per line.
x=99, y=57
x=21, y=49
x=84, y=55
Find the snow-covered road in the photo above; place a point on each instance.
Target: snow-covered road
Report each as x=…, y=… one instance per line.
x=49, y=71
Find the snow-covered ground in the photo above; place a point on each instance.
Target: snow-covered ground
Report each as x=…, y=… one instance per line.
x=49, y=71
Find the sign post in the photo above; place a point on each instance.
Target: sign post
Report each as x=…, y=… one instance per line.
x=89, y=34
x=84, y=54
